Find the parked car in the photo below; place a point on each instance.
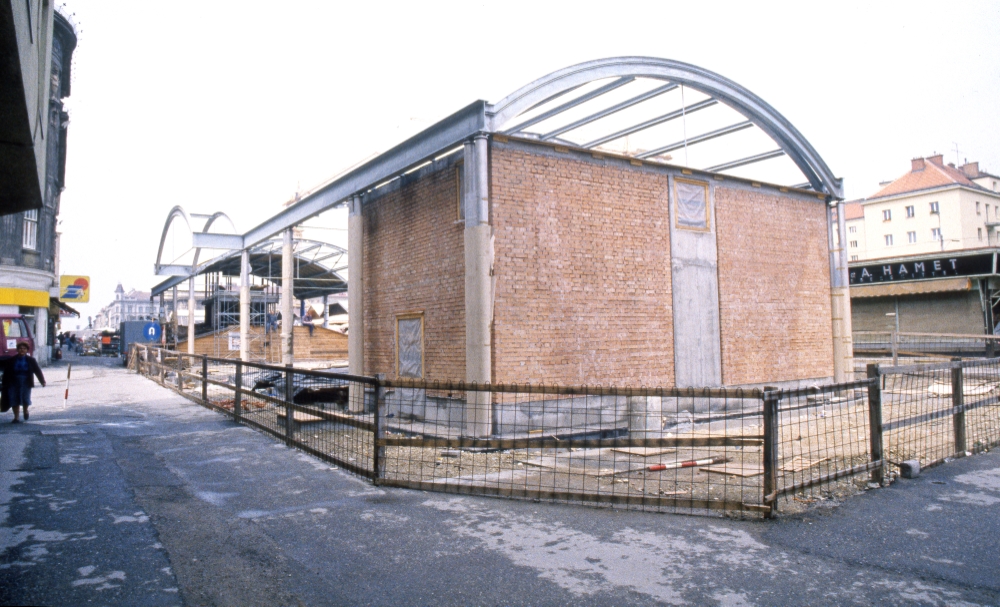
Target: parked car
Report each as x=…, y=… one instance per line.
x=14, y=330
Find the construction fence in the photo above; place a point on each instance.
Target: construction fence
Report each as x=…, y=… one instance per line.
x=740, y=452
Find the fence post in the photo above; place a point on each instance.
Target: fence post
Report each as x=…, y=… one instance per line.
x=180, y=369
x=159, y=365
x=875, y=421
x=204, y=380
x=289, y=395
x=894, y=341
x=238, y=391
x=957, y=401
x=771, y=399
x=378, y=452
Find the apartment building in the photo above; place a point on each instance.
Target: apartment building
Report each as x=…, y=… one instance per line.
x=934, y=208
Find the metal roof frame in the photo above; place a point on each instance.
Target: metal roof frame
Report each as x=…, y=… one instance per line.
x=481, y=117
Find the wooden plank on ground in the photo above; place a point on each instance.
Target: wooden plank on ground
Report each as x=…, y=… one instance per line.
x=799, y=463
x=644, y=451
x=734, y=469
x=302, y=418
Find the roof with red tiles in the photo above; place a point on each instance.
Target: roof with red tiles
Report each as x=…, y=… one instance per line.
x=853, y=210
x=927, y=173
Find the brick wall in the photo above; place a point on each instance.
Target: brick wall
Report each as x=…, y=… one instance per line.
x=774, y=286
x=414, y=262
x=582, y=270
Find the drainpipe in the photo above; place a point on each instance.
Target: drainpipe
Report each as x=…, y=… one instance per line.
x=840, y=295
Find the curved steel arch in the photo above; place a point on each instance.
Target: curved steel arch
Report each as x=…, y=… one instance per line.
x=174, y=213
x=732, y=94
x=179, y=211
x=204, y=230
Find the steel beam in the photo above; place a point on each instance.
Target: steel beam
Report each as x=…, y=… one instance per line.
x=607, y=88
x=174, y=270
x=726, y=130
x=653, y=122
x=666, y=88
x=423, y=146
x=200, y=240
x=745, y=161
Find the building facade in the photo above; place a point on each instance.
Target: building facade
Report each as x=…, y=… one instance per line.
x=934, y=208
x=29, y=247
x=605, y=271
x=134, y=305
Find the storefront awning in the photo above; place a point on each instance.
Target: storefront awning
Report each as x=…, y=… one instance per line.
x=911, y=288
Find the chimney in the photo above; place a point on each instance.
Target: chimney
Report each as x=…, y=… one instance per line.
x=971, y=169
x=918, y=165
x=937, y=159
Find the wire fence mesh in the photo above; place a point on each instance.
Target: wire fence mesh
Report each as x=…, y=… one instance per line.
x=734, y=451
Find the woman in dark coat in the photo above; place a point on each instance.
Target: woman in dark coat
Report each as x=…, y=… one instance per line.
x=19, y=375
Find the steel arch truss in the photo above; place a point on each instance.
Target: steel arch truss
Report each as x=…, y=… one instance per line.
x=575, y=93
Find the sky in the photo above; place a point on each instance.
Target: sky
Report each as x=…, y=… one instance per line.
x=236, y=106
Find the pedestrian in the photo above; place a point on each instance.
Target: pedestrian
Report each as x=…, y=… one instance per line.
x=19, y=375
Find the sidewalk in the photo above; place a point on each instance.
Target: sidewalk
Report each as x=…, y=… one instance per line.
x=133, y=495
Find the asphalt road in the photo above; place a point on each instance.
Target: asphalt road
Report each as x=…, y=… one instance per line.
x=132, y=495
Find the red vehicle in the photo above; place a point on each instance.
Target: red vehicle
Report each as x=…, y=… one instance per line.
x=14, y=330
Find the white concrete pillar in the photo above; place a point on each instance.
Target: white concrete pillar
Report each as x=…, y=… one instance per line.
x=840, y=296
x=192, y=305
x=287, y=302
x=356, y=301
x=245, y=305
x=42, y=335
x=478, y=285
x=326, y=311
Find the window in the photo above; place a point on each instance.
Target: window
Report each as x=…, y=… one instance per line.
x=934, y=208
x=854, y=244
x=410, y=345
x=978, y=210
x=14, y=327
x=936, y=233
x=911, y=237
x=853, y=229
x=910, y=211
x=887, y=215
x=980, y=230
x=30, y=238
x=888, y=240
x=854, y=257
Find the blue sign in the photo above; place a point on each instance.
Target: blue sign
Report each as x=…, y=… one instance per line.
x=151, y=331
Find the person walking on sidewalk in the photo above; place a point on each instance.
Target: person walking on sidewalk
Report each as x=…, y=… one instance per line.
x=18, y=380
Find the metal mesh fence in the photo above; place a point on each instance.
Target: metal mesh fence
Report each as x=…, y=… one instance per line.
x=736, y=451
x=938, y=411
x=649, y=449
x=823, y=442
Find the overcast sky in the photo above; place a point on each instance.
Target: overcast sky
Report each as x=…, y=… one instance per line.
x=234, y=107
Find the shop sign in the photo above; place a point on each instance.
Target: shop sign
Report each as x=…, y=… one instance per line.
x=922, y=269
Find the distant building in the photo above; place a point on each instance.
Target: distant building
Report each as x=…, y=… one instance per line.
x=33, y=161
x=933, y=208
x=134, y=305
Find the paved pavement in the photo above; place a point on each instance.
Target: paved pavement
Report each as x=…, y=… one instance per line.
x=134, y=496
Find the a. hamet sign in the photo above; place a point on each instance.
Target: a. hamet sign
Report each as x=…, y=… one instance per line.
x=936, y=267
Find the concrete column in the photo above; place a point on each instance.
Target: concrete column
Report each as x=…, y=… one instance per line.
x=287, y=302
x=192, y=305
x=478, y=285
x=245, y=305
x=175, y=322
x=42, y=335
x=326, y=311
x=355, y=301
x=840, y=296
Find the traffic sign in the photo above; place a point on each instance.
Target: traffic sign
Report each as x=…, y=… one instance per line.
x=151, y=331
